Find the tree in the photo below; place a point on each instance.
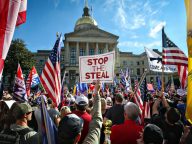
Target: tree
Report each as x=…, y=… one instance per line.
x=18, y=53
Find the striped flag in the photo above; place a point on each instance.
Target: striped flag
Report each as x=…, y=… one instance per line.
x=137, y=100
x=172, y=55
x=9, y=10
x=51, y=76
x=146, y=105
x=22, y=13
x=19, y=90
x=32, y=80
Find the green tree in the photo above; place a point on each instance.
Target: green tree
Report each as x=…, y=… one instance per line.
x=18, y=53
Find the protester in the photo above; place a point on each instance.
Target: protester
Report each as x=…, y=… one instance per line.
x=81, y=105
x=69, y=130
x=23, y=113
x=152, y=134
x=168, y=121
x=64, y=111
x=129, y=131
x=116, y=112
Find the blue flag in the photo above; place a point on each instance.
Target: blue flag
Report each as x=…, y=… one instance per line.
x=49, y=130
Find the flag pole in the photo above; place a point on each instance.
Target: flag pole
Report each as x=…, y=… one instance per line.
x=162, y=76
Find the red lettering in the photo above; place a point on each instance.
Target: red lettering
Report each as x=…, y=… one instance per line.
x=87, y=76
x=106, y=74
x=100, y=61
x=98, y=75
x=89, y=61
x=95, y=61
x=105, y=59
x=93, y=75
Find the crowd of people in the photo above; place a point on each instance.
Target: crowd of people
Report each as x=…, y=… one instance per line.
x=81, y=119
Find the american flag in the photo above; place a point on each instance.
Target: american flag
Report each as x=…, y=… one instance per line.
x=137, y=99
x=172, y=55
x=51, y=76
x=146, y=105
x=126, y=79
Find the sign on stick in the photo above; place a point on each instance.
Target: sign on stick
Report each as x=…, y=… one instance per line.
x=96, y=67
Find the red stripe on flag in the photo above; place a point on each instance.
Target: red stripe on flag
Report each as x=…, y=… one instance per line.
x=48, y=79
x=175, y=57
x=4, y=8
x=172, y=51
x=174, y=63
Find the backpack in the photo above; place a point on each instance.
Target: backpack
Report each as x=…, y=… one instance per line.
x=9, y=136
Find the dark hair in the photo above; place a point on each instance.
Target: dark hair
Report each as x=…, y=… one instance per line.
x=119, y=97
x=89, y=96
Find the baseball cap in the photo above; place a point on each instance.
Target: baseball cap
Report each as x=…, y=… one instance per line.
x=81, y=100
x=21, y=109
x=152, y=134
x=70, y=126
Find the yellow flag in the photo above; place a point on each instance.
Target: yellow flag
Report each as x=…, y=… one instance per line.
x=188, y=5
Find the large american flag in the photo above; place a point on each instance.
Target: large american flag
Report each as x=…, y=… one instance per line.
x=51, y=76
x=172, y=55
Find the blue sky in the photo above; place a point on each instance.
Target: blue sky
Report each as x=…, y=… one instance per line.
x=138, y=23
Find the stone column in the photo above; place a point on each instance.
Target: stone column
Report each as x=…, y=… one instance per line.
x=106, y=48
x=67, y=54
x=97, y=49
x=87, y=48
x=77, y=53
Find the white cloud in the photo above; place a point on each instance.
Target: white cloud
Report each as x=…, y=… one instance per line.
x=121, y=18
x=153, y=31
x=133, y=15
x=137, y=22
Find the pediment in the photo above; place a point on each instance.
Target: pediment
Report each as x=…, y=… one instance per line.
x=91, y=33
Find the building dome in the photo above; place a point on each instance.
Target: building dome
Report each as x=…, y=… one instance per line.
x=86, y=20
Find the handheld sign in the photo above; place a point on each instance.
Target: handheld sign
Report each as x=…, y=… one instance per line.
x=96, y=67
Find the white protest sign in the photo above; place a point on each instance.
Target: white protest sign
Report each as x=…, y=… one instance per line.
x=96, y=67
x=155, y=62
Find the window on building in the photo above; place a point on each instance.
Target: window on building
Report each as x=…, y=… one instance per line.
x=41, y=62
x=82, y=52
x=138, y=63
x=73, y=56
x=62, y=58
x=101, y=51
x=124, y=63
x=131, y=63
x=132, y=71
x=91, y=51
x=143, y=62
x=138, y=71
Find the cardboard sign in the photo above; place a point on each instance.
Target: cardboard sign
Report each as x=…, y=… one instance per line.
x=96, y=67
